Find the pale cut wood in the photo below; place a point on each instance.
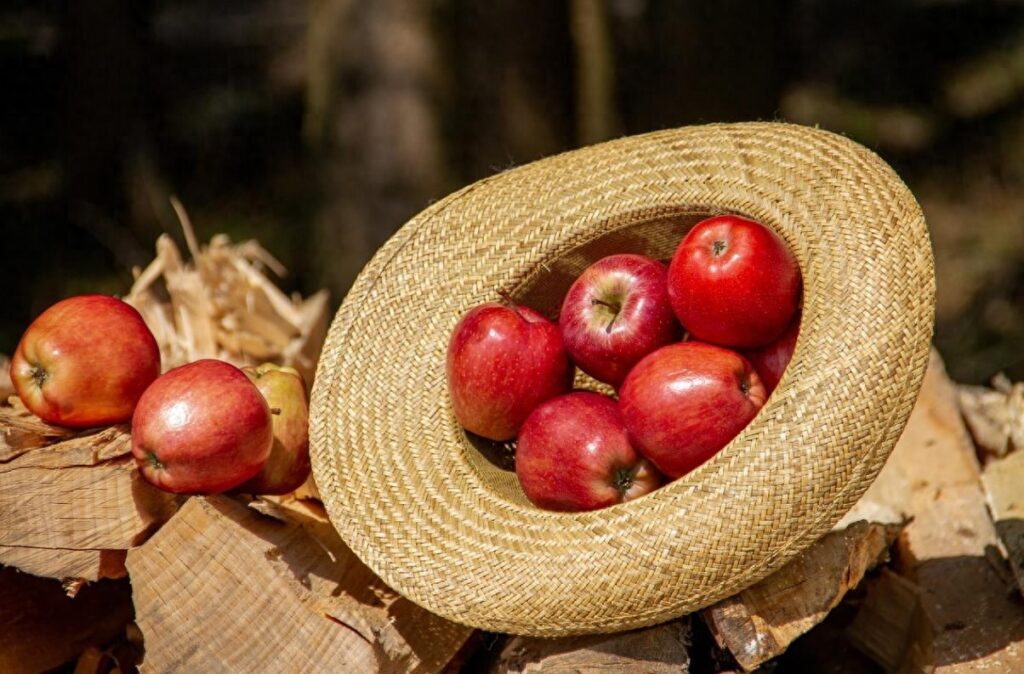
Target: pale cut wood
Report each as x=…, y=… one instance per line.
x=41, y=628
x=760, y=622
x=995, y=416
x=20, y=430
x=222, y=587
x=949, y=547
x=70, y=508
x=1003, y=479
x=655, y=650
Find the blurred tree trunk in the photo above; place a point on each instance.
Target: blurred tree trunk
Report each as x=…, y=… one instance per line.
x=372, y=118
x=510, y=96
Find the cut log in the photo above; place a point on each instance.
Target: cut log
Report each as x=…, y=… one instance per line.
x=891, y=627
x=41, y=628
x=949, y=548
x=654, y=650
x=70, y=505
x=760, y=622
x=995, y=416
x=1003, y=479
x=222, y=587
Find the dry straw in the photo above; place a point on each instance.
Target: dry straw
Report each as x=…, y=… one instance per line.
x=441, y=523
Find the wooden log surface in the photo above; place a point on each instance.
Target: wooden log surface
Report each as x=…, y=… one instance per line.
x=662, y=649
x=762, y=621
x=71, y=503
x=42, y=628
x=1003, y=479
x=222, y=587
x=949, y=549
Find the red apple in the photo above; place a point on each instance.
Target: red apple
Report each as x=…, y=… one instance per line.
x=201, y=428
x=85, y=362
x=287, y=467
x=573, y=454
x=616, y=313
x=771, y=361
x=734, y=282
x=502, y=363
x=686, y=401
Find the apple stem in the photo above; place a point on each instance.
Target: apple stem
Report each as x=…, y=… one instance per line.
x=616, y=308
x=275, y=410
x=623, y=480
x=503, y=294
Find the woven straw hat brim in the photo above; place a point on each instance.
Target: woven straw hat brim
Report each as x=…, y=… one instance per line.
x=423, y=506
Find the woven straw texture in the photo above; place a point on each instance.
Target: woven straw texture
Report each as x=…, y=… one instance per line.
x=438, y=517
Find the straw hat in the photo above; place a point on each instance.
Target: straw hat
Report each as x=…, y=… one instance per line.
x=444, y=523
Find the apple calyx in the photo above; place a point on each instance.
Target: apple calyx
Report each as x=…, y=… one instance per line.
x=153, y=460
x=39, y=374
x=745, y=386
x=718, y=247
x=623, y=479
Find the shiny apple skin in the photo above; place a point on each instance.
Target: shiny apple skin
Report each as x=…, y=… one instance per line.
x=503, y=362
x=202, y=428
x=686, y=401
x=734, y=282
x=287, y=467
x=573, y=454
x=771, y=361
x=85, y=362
x=616, y=313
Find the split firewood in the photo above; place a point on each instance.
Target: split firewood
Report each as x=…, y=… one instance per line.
x=41, y=628
x=995, y=416
x=949, y=548
x=1003, y=479
x=222, y=587
x=760, y=622
x=71, y=504
x=654, y=650
x=222, y=305
x=891, y=627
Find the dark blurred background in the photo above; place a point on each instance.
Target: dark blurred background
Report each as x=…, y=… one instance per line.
x=319, y=127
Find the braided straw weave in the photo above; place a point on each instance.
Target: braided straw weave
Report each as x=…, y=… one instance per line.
x=450, y=529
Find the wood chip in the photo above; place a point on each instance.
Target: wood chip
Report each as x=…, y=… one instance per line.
x=654, y=650
x=223, y=588
x=760, y=622
x=995, y=416
x=71, y=505
x=222, y=305
x=41, y=628
x=949, y=548
x=1003, y=479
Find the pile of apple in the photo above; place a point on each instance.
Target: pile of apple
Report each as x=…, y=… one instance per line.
x=693, y=351
x=202, y=428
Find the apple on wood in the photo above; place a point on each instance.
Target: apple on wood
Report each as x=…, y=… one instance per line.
x=201, y=428
x=615, y=313
x=503, y=361
x=734, y=282
x=573, y=454
x=686, y=401
x=287, y=467
x=771, y=361
x=85, y=362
